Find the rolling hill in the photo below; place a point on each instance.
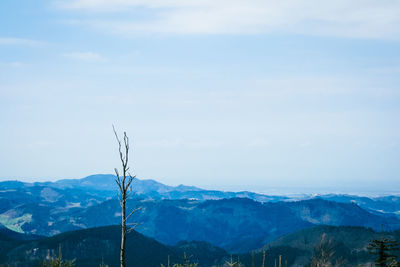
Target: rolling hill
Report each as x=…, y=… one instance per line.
x=90, y=247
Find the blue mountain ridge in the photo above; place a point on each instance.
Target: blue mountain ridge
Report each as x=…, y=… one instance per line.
x=235, y=221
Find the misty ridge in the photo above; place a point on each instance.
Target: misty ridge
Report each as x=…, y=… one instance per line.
x=81, y=217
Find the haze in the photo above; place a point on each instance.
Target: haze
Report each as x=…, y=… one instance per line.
x=223, y=94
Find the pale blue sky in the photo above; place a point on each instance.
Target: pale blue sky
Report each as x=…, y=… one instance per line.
x=239, y=94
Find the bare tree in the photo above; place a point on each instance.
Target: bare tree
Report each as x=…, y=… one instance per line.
x=324, y=255
x=124, y=182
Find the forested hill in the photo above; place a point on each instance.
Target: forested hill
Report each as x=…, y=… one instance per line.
x=89, y=247
x=237, y=224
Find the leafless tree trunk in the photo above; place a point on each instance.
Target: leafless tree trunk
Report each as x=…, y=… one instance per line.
x=124, y=182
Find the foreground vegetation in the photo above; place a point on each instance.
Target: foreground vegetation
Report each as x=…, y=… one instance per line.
x=323, y=246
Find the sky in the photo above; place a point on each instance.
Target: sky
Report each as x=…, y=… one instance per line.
x=261, y=95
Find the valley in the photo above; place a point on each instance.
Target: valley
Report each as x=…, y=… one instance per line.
x=81, y=215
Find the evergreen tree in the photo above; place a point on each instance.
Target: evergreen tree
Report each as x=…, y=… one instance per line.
x=383, y=248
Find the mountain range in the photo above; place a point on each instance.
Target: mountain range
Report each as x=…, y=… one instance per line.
x=103, y=186
x=234, y=221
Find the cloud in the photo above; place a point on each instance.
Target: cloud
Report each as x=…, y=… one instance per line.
x=179, y=142
x=19, y=41
x=85, y=56
x=13, y=64
x=357, y=18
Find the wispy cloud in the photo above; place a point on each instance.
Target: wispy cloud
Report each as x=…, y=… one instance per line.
x=20, y=41
x=13, y=64
x=179, y=142
x=358, y=18
x=85, y=56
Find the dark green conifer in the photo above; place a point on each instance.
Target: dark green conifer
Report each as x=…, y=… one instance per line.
x=383, y=248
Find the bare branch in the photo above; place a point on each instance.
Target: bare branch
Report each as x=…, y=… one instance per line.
x=119, y=184
x=123, y=159
x=134, y=225
x=132, y=212
x=126, y=142
x=130, y=180
x=116, y=137
x=130, y=229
